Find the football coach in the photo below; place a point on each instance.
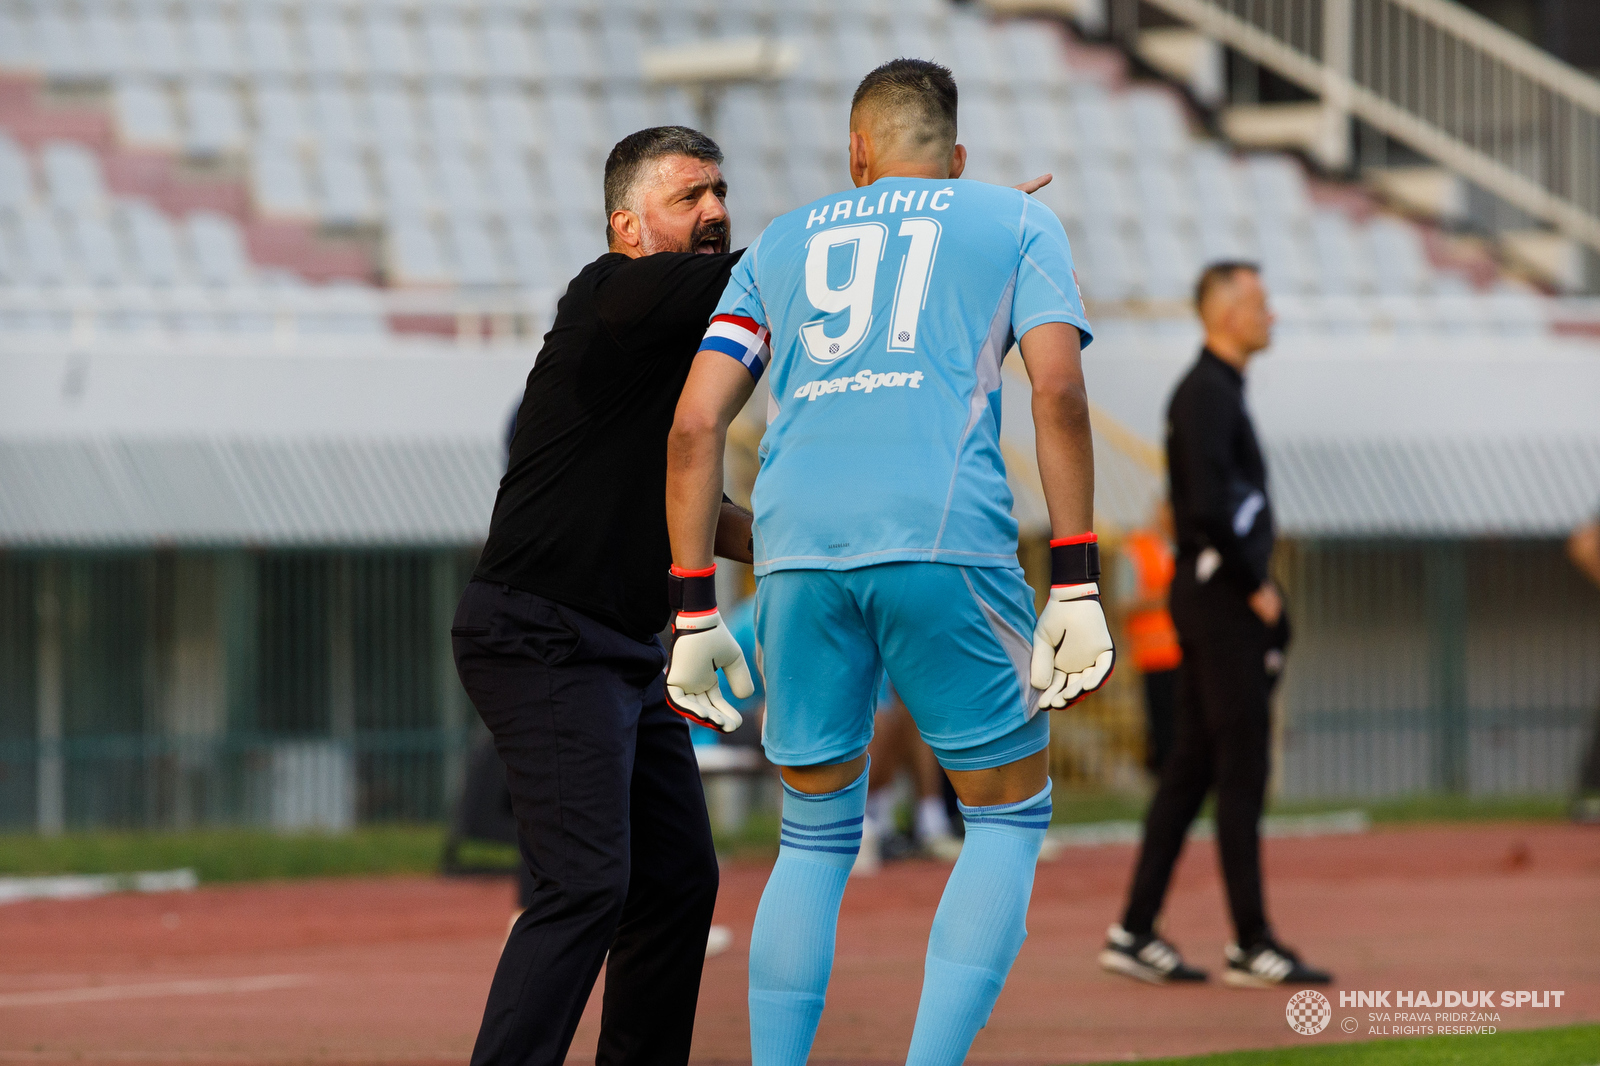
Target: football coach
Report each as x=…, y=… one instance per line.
x=555, y=637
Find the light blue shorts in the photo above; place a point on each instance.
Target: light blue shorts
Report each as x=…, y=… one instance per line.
x=955, y=641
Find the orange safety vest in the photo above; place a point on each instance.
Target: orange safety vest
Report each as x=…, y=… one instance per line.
x=1152, y=635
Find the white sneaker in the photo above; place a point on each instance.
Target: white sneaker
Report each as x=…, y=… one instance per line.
x=869, y=858
x=719, y=940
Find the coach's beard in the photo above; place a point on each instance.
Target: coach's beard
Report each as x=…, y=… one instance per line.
x=708, y=239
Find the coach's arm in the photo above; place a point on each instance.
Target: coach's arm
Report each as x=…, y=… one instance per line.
x=714, y=394
x=1060, y=426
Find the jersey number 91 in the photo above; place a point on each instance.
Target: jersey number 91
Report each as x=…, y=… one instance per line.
x=855, y=297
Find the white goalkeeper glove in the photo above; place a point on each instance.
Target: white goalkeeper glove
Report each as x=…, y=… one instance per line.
x=1072, y=650
x=701, y=646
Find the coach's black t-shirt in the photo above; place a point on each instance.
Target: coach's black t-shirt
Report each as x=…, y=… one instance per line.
x=581, y=517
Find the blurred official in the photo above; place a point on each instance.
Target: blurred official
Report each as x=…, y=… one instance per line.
x=1233, y=631
x=1147, y=624
x=555, y=638
x=1583, y=548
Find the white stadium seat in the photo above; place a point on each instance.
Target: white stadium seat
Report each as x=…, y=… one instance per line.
x=406, y=187
x=61, y=50
x=212, y=43
x=414, y=255
x=16, y=179
x=266, y=41
x=278, y=180
x=96, y=249
x=330, y=43
x=333, y=114
x=72, y=176
x=390, y=45
x=218, y=248
x=155, y=48
x=144, y=113
x=394, y=115
x=1400, y=264
x=346, y=188
x=477, y=262
x=215, y=119
x=107, y=42
x=450, y=51
x=280, y=114
x=156, y=256
x=509, y=53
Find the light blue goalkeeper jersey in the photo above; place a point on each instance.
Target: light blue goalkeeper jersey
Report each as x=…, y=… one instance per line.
x=884, y=313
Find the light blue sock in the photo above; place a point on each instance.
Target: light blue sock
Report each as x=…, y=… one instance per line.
x=979, y=927
x=791, y=945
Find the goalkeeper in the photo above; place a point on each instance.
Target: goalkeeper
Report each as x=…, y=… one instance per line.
x=884, y=537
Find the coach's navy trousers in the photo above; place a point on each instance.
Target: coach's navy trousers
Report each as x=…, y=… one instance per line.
x=611, y=821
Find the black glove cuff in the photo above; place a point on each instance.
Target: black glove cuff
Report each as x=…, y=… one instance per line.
x=1077, y=563
x=694, y=593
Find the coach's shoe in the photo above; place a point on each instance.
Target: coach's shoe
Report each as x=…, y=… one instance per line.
x=1269, y=964
x=1145, y=958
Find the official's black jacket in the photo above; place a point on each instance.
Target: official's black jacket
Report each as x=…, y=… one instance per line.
x=1218, y=477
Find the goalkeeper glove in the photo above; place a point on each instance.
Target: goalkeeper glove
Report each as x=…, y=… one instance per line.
x=701, y=646
x=1072, y=650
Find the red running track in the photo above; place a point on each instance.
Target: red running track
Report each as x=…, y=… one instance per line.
x=395, y=969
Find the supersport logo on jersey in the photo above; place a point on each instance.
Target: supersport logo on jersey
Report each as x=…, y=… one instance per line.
x=861, y=381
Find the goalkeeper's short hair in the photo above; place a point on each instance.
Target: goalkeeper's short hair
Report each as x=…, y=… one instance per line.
x=916, y=98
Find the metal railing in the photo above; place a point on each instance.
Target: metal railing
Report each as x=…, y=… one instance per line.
x=316, y=689
x=281, y=316
x=1441, y=79
x=1436, y=666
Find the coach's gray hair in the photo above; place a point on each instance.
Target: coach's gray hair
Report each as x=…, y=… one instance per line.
x=633, y=154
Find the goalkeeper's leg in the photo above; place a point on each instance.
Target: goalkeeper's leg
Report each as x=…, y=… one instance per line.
x=981, y=921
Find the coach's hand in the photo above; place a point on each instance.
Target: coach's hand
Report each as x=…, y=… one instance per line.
x=701, y=646
x=1072, y=650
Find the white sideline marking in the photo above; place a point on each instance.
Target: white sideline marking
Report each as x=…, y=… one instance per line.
x=102, y=993
x=87, y=886
x=1095, y=834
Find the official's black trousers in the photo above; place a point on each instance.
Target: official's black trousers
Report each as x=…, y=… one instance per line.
x=1160, y=714
x=1222, y=742
x=611, y=822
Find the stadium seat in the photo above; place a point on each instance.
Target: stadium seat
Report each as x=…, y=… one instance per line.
x=215, y=123
x=16, y=181
x=280, y=116
x=156, y=257
x=218, y=248
x=330, y=46
x=278, y=180
x=346, y=190
x=389, y=48
x=1400, y=264
x=144, y=113
x=96, y=249
x=266, y=41
x=508, y=53
x=155, y=50
x=414, y=256
x=72, y=176
x=43, y=259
